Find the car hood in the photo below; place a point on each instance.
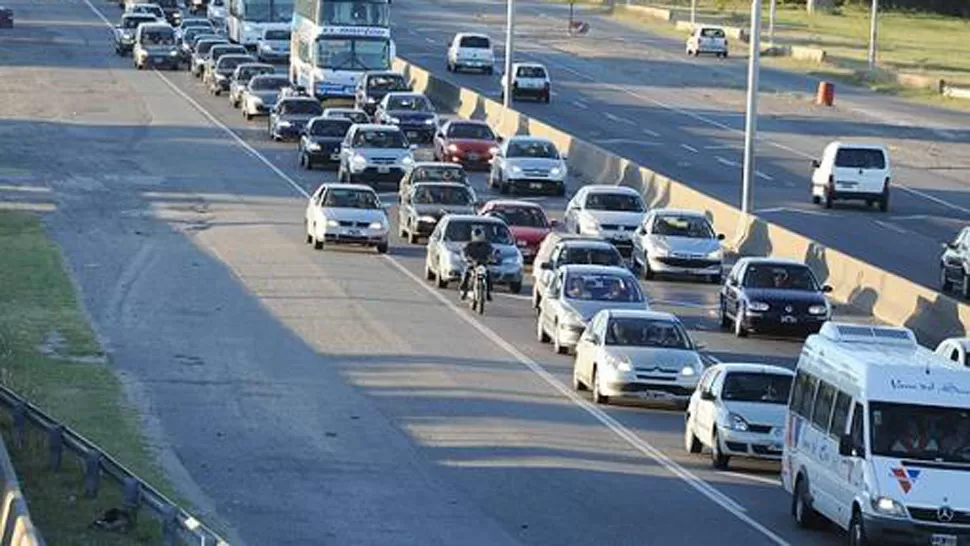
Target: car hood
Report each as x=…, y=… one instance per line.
x=534, y=162
x=769, y=295
x=615, y=217
x=469, y=144
x=297, y=118
x=435, y=210
x=326, y=139
x=354, y=215
x=587, y=309
x=266, y=96
x=409, y=115
x=656, y=359
x=685, y=245
x=532, y=235
x=918, y=485
x=759, y=413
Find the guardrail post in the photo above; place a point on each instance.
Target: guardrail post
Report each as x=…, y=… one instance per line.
x=92, y=473
x=56, y=446
x=132, y=498
x=19, y=424
x=169, y=526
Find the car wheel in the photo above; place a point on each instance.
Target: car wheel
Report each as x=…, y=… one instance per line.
x=739, y=329
x=515, y=287
x=547, y=97
x=827, y=199
x=857, y=530
x=382, y=248
x=309, y=237
x=715, y=278
x=816, y=200
x=725, y=320
x=577, y=384
x=598, y=396
x=428, y=273
x=217, y=92
x=805, y=516
x=718, y=459
x=884, y=201
x=246, y=115
x=413, y=238
x=946, y=284
x=691, y=443
x=541, y=334
x=536, y=299
x=317, y=243
x=965, y=286
x=490, y=70
x=647, y=272
x=441, y=282
x=557, y=346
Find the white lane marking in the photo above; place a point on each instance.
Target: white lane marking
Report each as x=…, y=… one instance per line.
x=429, y=40
x=787, y=209
x=911, y=217
x=689, y=148
x=891, y=227
x=752, y=477
x=651, y=133
x=613, y=117
x=727, y=162
x=699, y=485
x=764, y=176
x=580, y=105
x=628, y=141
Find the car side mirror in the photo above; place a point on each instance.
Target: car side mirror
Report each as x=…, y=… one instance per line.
x=949, y=246
x=826, y=289
x=816, y=164
x=708, y=395
x=546, y=266
x=847, y=447
x=720, y=236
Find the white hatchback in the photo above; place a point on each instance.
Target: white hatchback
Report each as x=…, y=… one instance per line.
x=707, y=40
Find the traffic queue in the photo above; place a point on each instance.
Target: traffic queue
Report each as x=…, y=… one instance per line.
x=871, y=429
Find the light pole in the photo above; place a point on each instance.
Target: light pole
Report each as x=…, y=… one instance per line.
x=771, y=23
x=751, y=116
x=693, y=13
x=509, y=47
x=873, y=24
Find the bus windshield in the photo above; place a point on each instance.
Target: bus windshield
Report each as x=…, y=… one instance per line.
x=353, y=54
x=355, y=14
x=268, y=11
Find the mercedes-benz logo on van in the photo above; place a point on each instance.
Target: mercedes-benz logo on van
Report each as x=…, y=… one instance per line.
x=788, y=308
x=944, y=514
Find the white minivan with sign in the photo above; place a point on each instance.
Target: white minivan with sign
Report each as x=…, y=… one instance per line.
x=853, y=171
x=877, y=438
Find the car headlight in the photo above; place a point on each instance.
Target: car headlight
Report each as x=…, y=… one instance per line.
x=555, y=171
x=283, y=123
x=221, y=77
x=887, y=506
x=256, y=100
x=430, y=121
x=376, y=225
x=516, y=169
x=127, y=36
x=427, y=219
x=688, y=371
x=493, y=150
x=248, y=28
x=371, y=100
x=660, y=251
x=332, y=223
x=818, y=310
x=358, y=162
x=589, y=224
x=620, y=364
x=758, y=306
x=522, y=242
x=715, y=254
x=736, y=422
x=173, y=52
x=313, y=147
x=407, y=160
x=266, y=47
x=453, y=148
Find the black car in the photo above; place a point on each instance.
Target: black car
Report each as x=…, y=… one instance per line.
x=189, y=36
x=412, y=112
x=320, y=141
x=6, y=17
x=125, y=31
x=373, y=86
x=763, y=294
x=224, y=69
x=291, y=115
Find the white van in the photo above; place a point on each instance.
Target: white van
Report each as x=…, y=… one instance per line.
x=877, y=438
x=471, y=52
x=852, y=170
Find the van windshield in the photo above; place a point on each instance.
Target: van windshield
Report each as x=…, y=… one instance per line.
x=920, y=432
x=860, y=158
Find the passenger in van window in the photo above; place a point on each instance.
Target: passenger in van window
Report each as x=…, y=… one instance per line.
x=957, y=440
x=914, y=440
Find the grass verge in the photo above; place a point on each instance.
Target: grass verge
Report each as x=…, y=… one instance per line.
x=49, y=354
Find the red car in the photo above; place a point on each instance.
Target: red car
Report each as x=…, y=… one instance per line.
x=468, y=142
x=527, y=222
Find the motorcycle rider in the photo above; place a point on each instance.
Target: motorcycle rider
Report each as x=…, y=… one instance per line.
x=477, y=251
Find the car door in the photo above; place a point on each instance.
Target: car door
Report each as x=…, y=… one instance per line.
x=404, y=211
x=640, y=238
x=434, y=246
x=732, y=289
x=315, y=208
x=546, y=275
x=571, y=216
x=588, y=347
x=453, y=48
x=549, y=306
x=705, y=421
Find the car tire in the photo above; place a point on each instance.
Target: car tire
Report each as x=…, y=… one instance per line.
x=217, y=92
x=827, y=199
x=382, y=248
x=428, y=273
x=816, y=200
x=946, y=285
x=691, y=443
x=857, y=530
x=309, y=237
x=413, y=238
x=647, y=273
x=577, y=384
x=805, y=516
x=490, y=70
x=965, y=286
x=561, y=190
x=515, y=287
x=541, y=334
x=739, y=329
x=557, y=346
x=598, y=396
x=715, y=278
x=317, y=243
x=718, y=459
x=439, y=281
x=725, y=320
x=884, y=201
x=246, y=115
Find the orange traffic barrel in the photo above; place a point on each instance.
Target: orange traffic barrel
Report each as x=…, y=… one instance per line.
x=826, y=93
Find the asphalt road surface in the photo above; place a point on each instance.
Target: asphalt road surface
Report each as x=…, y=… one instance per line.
x=333, y=397
x=637, y=94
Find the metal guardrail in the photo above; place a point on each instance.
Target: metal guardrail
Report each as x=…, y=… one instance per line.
x=16, y=528
x=176, y=522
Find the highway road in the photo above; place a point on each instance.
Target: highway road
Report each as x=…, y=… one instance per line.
x=638, y=95
x=301, y=397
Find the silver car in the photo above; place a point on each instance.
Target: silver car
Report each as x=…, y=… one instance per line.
x=680, y=242
x=377, y=155
x=574, y=250
x=425, y=203
x=576, y=293
x=261, y=94
x=610, y=212
x=200, y=53
x=353, y=114
x=346, y=214
x=240, y=79
x=638, y=355
x=528, y=164
x=444, y=262
x=225, y=67
x=274, y=46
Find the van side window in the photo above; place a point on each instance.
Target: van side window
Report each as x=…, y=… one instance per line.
x=824, y=400
x=856, y=430
x=803, y=395
x=840, y=416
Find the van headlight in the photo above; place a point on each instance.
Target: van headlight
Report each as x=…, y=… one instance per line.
x=358, y=162
x=887, y=506
x=818, y=310
x=736, y=422
x=758, y=306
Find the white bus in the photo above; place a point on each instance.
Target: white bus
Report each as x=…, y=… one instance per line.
x=878, y=438
x=246, y=20
x=335, y=41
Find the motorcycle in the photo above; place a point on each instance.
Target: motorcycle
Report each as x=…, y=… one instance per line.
x=479, y=288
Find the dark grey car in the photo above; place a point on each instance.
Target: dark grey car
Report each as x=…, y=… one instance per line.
x=426, y=203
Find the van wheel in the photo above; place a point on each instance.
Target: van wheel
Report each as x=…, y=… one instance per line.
x=691, y=443
x=827, y=199
x=718, y=459
x=816, y=200
x=884, y=201
x=857, y=530
x=946, y=284
x=805, y=515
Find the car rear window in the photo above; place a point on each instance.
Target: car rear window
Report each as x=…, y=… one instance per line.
x=475, y=42
x=270, y=83
x=591, y=256
x=694, y=227
x=531, y=72
x=277, y=35
x=712, y=33
x=301, y=107
x=534, y=148
x=228, y=63
x=521, y=216
x=414, y=103
x=756, y=387
x=330, y=127
x=622, y=202
x=602, y=287
x=439, y=173
x=644, y=332
x=428, y=194
x=388, y=82
x=860, y=158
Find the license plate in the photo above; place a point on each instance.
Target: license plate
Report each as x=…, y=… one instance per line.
x=383, y=170
x=775, y=447
x=335, y=156
x=788, y=319
x=536, y=185
x=353, y=232
x=944, y=540
x=473, y=157
x=412, y=134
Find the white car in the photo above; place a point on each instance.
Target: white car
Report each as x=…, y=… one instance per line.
x=529, y=80
x=216, y=12
x=471, y=52
x=852, y=170
x=638, y=355
x=148, y=9
x=955, y=349
x=528, y=163
x=738, y=410
x=610, y=212
x=680, y=242
x=707, y=40
x=346, y=214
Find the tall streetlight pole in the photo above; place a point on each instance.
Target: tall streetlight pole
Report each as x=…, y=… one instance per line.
x=751, y=116
x=509, y=47
x=771, y=23
x=693, y=13
x=873, y=25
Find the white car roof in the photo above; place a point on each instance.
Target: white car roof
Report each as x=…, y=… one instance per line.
x=436, y=183
x=680, y=212
x=753, y=367
x=587, y=242
x=529, y=138
x=435, y=164
x=532, y=65
x=779, y=261
x=642, y=313
x=605, y=188
x=341, y=111
x=473, y=218
x=591, y=268
x=337, y=185
x=860, y=144
x=513, y=203
x=377, y=127
x=472, y=35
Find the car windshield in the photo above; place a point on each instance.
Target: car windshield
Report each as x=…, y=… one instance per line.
x=353, y=115
x=602, y=287
x=228, y=64
x=442, y=195
x=471, y=131
x=270, y=83
x=693, y=227
x=133, y=22
x=590, y=256
x=164, y=37
x=712, y=33
x=620, y=202
x=461, y=232
x=414, y=103
x=780, y=277
x=531, y=72
x=277, y=35
x=330, y=127
x=376, y=138
x=860, y=158
x=475, y=42
x=439, y=173
x=521, y=216
x=301, y=108
x=645, y=332
x=351, y=199
x=389, y=82
x=918, y=432
x=532, y=148
x=770, y=388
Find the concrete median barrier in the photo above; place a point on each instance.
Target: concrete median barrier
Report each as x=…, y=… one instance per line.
x=886, y=296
